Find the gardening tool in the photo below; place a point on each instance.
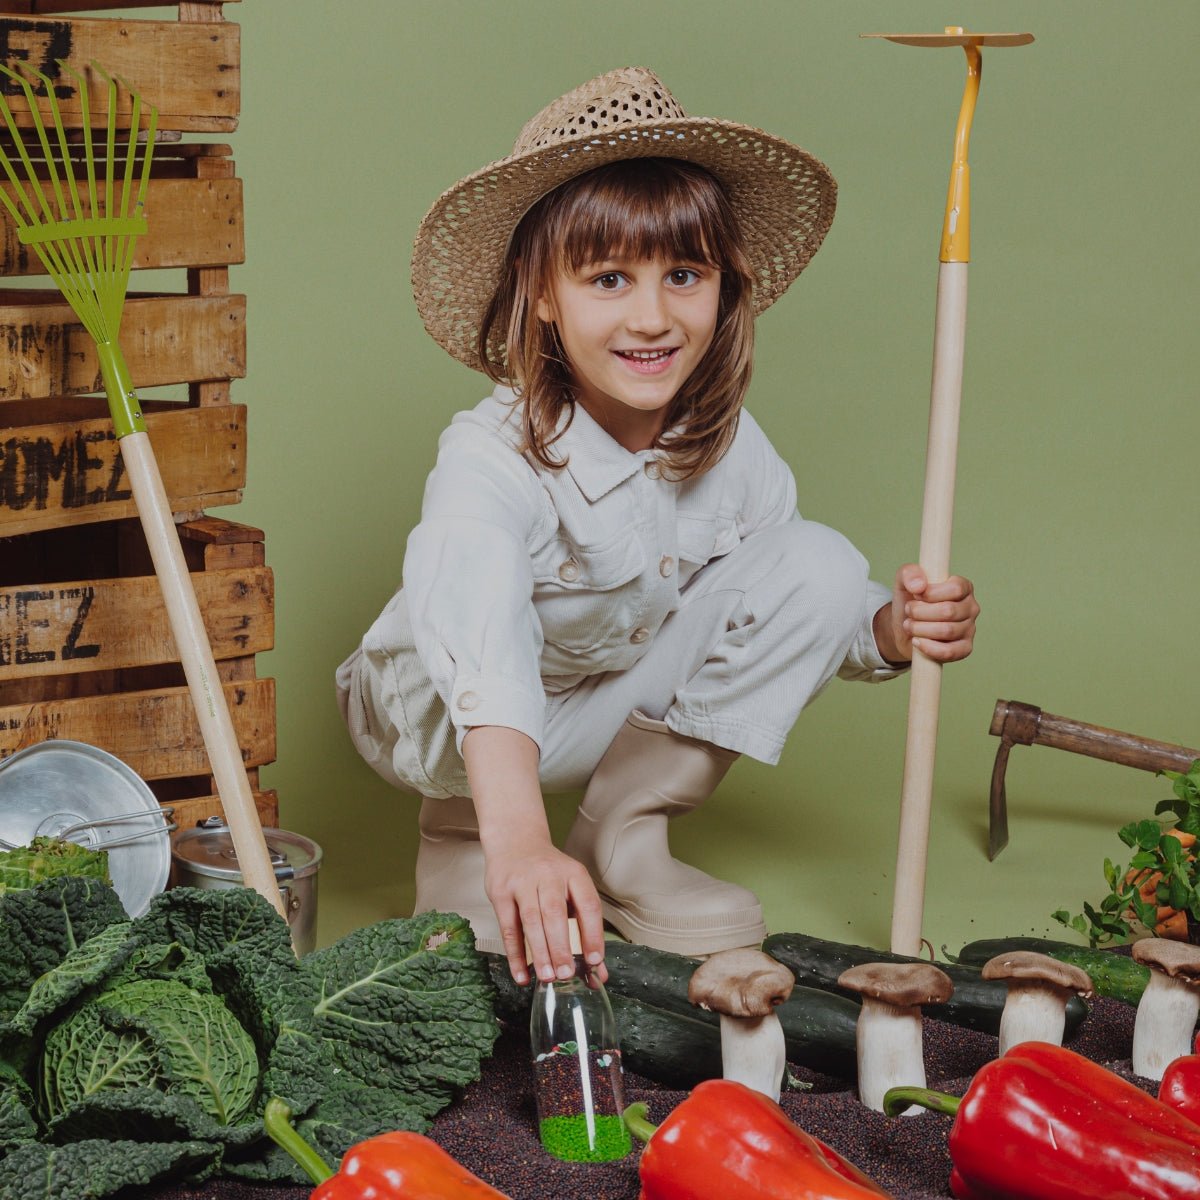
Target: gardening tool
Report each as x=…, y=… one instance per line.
x=1017, y=724
x=941, y=455
x=84, y=233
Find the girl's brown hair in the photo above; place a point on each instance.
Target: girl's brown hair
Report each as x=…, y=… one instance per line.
x=635, y=208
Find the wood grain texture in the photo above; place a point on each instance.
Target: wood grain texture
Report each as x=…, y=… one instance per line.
x=71, y=472
x=110, y=624
x=154, y=731
x=190, y=812
x=190, y=70
x=1026, y=725
x=45, y=351
x=190, y=223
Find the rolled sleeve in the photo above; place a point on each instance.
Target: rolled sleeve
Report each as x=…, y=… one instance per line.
x=468, y=580
x=863, y=661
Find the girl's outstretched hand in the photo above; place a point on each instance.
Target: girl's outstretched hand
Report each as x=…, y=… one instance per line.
x=533, y=887
x=937, y=618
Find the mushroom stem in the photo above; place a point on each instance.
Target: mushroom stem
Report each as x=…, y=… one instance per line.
x=1162, y=1029
x=753, y=1052
x=1033, y=1012
x=889, y=1052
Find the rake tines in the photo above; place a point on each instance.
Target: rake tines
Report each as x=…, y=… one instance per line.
x=83, y=230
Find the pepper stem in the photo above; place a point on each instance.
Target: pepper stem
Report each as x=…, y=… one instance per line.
x=635, y=1120
x=897, y=1099
x=277, y=1120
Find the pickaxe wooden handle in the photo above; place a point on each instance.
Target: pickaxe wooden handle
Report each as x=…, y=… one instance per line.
x=1017, y=724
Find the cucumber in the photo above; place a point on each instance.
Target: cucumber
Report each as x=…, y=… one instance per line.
x=670, y=1040
x=1113, y=975
x=977, y=1003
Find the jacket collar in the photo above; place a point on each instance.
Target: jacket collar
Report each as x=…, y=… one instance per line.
x=595, y=460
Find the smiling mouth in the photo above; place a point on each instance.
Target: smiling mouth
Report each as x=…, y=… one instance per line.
x=648, y=362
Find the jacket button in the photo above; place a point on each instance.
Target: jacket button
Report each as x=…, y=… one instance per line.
x=569, y=571
x=666, y=565
x=467, y=701
x=652, y=469
x=639, y=635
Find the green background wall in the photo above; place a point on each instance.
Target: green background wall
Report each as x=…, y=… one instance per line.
x=1077, y=500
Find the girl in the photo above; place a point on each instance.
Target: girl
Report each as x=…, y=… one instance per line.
x=610, y=587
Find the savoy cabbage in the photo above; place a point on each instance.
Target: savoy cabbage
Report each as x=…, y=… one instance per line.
x=136, y=1051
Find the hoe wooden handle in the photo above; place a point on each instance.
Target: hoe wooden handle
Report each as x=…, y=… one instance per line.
x=1017, y=724
x=1026, y=725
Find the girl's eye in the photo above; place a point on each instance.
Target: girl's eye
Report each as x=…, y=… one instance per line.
x=610, y=281
x=683, y=276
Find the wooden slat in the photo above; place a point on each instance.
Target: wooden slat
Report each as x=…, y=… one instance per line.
x=60, y=6
x=191, y=812
x=155, y=732
x=189, y=223
x=189, y=70
x=45, y=350
x=108, y=624
x=70, y=473
x=219, y=531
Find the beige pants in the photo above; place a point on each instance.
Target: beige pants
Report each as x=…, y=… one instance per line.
x=758, y=634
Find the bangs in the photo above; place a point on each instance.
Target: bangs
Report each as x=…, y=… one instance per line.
x=640, y=209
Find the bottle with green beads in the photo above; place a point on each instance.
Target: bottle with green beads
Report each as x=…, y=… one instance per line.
x=577, y=1067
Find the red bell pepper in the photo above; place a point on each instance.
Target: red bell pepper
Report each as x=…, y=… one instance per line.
x=729, y=1142
x=1028, y=1130
x=1119, y=1094
x=1180, y=1087
x=392, y=1166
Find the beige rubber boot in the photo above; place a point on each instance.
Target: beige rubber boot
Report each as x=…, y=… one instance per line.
x=648, y=775
x=450, y=868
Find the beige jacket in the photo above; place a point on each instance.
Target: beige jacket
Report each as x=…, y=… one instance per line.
x=520, y=581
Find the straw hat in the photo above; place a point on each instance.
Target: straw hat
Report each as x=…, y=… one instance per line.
x=783, y=197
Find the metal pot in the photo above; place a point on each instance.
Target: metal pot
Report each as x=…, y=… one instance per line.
x=204, y=857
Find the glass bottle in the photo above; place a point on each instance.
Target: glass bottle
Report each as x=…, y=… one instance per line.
x=577, y=1069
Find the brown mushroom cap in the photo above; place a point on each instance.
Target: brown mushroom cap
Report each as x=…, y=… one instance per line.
x=1028, y=966
x=903, y=984
x=1179, y=960
x=741, y=983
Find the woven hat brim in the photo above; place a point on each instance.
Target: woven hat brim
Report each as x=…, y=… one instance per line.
x=784, y=199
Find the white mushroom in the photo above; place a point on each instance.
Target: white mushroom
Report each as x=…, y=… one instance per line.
x=1035, y=1009
x=888, y=1034
x=744, y=987
x=1167, y=1012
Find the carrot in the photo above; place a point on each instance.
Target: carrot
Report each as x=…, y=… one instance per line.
x=1175, y=927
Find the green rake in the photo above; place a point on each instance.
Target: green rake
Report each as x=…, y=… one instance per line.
x=84, y=232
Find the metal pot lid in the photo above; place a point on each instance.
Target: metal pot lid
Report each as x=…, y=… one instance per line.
x=209, y=851
x=83, y=794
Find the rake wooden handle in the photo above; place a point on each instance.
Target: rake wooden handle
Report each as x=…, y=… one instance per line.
x=200, y=669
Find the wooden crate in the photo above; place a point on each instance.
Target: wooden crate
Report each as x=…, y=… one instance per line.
x=85, y=649
x=86, y=652
x=193, y=213
x=59, y=462
x=196, y=335
x=64, y=467
x=190, y=69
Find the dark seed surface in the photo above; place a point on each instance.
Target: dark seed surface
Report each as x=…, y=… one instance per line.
x=493, y=1129
x=559, y=1084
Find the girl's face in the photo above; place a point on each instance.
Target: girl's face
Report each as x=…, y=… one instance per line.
x=633, y=331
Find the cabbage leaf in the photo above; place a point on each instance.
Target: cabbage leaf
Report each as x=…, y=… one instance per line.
x=172, y=1030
